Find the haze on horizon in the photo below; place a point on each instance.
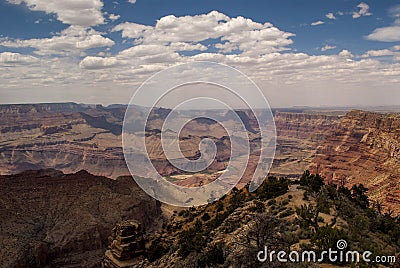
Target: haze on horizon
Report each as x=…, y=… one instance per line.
x=322, y=54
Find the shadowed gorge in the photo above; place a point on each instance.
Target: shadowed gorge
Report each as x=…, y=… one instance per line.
x=56, y=219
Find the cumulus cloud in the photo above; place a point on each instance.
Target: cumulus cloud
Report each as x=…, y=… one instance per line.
x=320, y=22
x=132, y=30
x=236, y=33
x=363, y=11
x=330, y=16
x=389, y=33
x=386, y=34
x=327, y=47
x=346, y=54
x=74, y=12
x=98, y=62
x=10, y=58
x=132, y=1
x=72, y=40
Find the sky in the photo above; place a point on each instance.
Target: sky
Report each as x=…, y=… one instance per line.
x=299, y=53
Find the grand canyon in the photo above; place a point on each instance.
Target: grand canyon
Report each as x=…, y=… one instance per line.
x=65, y=183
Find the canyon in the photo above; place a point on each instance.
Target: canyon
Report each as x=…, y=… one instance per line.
x=59, y=205
x=348, y=147
x=71, y=137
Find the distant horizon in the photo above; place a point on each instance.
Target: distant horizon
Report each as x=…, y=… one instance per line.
x=339, y=107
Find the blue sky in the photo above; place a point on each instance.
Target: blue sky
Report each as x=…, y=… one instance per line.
x=298, y=52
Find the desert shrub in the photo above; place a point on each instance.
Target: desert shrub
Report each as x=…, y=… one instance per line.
x=359, y=197
x=213, y=256
x=191, y=240
x=258, y=207
x=205, y=217
x=272, y=188
x=326, y=237
x=271, y=202
x=305, y=234
x=285, y=202
x=286, y=213
x=313, y=182
x=156, y=251
x=237, y=199
x=219, y=206
x=308, y=215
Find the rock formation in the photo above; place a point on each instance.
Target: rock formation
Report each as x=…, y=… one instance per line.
x=298, y=136
x=55, y=219
x=126, y=246
x=364, y=148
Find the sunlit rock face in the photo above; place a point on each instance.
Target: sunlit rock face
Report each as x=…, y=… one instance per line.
x=364, y=148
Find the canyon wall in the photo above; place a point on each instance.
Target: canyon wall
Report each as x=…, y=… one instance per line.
x=69, y=137
x=298, y=136
x=50, y=219
x=361, y=147
x=364, y=148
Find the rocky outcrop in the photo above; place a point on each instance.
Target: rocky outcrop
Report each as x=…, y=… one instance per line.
x=364, y=148
x=49, y=218
x=298, y=136
x=126, y=246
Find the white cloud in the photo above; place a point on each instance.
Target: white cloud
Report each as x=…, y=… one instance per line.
x=327, y=47
x=320, y=22
x=182, y=46
x=132, y=30
x=386, y=34
x=132, y=1
x=346, y=54
x=389, y=33
x=260, y=51
x=330, y=16
x=239, y=33
x=378, y=53
x=363, y=11
x=114, y=17
x=149, y=54
x=98, y=62
x=10, y=58
x=72, y=40
x=74, y=12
